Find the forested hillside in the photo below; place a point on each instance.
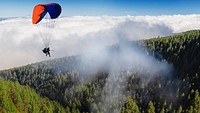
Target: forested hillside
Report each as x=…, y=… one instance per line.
x=177, y=92
x=15, y=98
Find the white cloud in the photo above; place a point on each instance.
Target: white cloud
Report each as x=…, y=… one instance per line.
x=21, y=44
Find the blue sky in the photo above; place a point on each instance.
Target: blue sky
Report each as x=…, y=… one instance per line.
x=15, y=8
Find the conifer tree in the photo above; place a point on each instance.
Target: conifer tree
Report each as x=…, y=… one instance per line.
x=151, y=108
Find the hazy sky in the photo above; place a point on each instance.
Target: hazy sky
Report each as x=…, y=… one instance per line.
x=15, y=8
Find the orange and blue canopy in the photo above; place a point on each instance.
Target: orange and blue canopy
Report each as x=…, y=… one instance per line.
x=41, y=10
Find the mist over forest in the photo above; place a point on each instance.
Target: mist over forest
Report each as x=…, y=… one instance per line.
x=147, y=75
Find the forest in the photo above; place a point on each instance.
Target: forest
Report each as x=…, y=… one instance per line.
x=58, y=86
x=16, y=98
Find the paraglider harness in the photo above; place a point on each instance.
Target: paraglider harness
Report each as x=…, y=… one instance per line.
x=46, y=51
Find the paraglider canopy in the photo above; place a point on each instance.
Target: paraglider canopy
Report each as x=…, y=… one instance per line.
x=44, y=16
x=41, y=10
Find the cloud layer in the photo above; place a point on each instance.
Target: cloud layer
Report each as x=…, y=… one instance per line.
x=20, y=42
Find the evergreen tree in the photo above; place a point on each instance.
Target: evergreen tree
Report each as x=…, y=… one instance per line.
x=130, y=106
x=151, y=108
x=180, y=109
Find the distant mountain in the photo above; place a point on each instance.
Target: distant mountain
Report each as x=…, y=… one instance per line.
x=1, y=19
x=61, y=80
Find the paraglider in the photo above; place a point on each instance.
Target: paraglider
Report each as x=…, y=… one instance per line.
x=44, y=16
x=46, y=51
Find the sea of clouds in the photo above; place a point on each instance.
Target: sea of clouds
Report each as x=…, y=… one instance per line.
x=20, y=42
